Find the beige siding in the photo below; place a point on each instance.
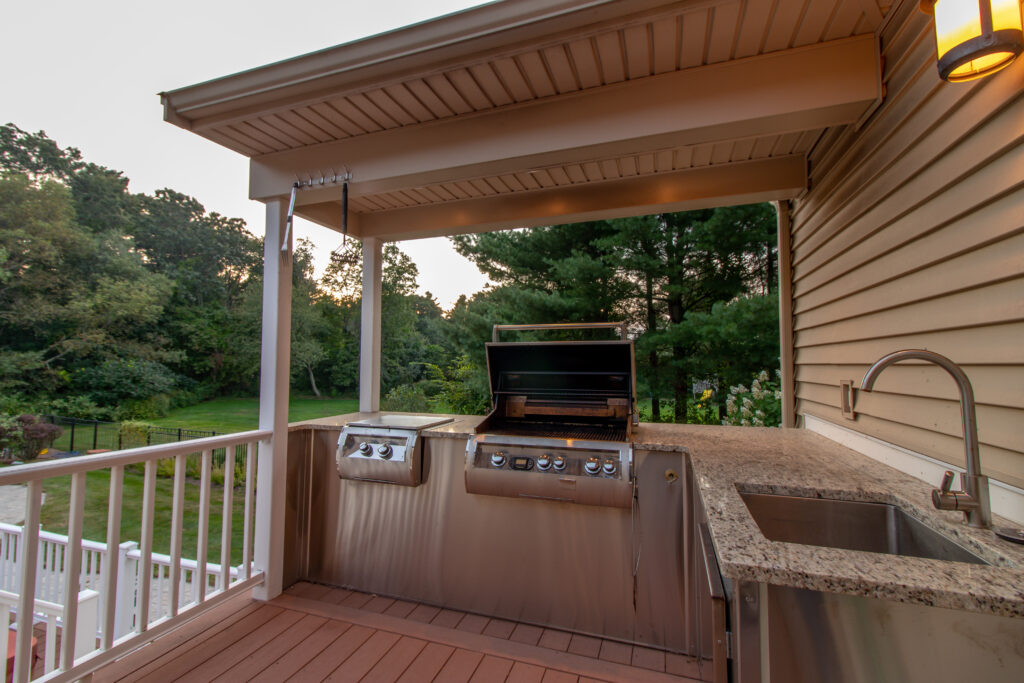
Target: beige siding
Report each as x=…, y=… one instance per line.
x=912, y=235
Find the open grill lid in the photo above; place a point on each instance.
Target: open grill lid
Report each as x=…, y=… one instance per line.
x=561, y=388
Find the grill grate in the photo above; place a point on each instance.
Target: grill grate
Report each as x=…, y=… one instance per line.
x=547, y=431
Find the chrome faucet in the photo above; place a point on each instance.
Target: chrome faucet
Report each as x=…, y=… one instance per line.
x=973, y=500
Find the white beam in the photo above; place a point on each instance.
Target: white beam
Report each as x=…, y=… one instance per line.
x=369, y=328
x=786, y=314
x=275, y=358
x=799, y=89
x=729, y=184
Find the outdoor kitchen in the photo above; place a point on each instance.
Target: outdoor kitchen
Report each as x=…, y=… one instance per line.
x=558, y=512
x=875, y=535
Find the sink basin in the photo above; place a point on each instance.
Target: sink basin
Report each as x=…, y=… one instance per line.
x=851, y=525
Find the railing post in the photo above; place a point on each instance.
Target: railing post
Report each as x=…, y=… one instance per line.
x=27, y=559
x=126, y=589
x=86, y=623
x=369, y=327
x=275, y=355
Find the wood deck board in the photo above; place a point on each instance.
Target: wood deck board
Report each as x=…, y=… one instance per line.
x=428, y=663
x=199, y=649
x=365, y=658
x=268, y=654
x=314, y=633
x=237, y=653
x=296, y=658
x=203, y=627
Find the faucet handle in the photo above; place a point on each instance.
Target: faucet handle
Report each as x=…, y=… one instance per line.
x=947, y=482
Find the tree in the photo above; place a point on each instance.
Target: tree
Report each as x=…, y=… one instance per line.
x=411, y=325
x=653, y=271
x=69, y=297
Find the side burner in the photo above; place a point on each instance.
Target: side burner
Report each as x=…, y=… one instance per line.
x=385, y=448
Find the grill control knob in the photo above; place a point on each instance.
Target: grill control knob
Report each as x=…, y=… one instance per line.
x=559, y=463
x=592, y=466
x=384, y=450
x=544, y=462
x=498, y=459
x=609, y=467
x=365, y=448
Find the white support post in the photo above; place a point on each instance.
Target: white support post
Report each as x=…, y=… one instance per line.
x=786, y=315
x=369, y=329
x=275, y=357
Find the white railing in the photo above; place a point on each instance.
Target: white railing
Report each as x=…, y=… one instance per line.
x=50, y=577
x=183, y=586
x=49, y=569
x=87, y=622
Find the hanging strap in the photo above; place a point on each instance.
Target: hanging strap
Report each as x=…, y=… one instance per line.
x=291, y=216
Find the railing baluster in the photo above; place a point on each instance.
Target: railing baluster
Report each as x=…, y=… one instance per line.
x=204, y=526
x=250, y=482
x=224, y=580
x=72, y=571
x=51, y=643
x=146, y=547
x=110, y=560
x=28, y=557
x=177, y=512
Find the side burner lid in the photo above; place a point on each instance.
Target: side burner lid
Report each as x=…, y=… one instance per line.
x=417, y=422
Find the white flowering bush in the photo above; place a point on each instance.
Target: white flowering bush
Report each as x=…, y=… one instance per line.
x=758, y=406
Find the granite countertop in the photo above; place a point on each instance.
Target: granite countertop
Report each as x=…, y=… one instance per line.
x=797, y=462
x=461, y=427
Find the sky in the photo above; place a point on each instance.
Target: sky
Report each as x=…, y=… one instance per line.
x=88, y=74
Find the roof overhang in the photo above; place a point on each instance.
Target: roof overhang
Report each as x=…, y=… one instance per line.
x=533, y=112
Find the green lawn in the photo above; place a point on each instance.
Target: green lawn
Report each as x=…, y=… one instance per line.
x=226, y=415
x=223, y=415
x=94, y=525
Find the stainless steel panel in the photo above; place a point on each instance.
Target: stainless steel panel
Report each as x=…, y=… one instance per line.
x=542, y=562
x=519, y=475
x=818, y=636
x=852, y=525
x=296, y=511
x=714, y=637
x=378, y=454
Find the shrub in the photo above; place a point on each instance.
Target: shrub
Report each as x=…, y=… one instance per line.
x=703, y=411
x=134, y=433
x=460, y=392
x=34, y=436
x=406, y=398
x=759, y=406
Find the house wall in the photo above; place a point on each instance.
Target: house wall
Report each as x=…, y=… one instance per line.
x=912, y=236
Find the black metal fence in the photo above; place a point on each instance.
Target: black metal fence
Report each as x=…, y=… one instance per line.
x=81, y=435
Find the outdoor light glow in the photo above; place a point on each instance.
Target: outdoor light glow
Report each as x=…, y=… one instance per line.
x=975, y=38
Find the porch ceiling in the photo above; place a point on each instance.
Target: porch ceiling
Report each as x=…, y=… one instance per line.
x=522, y=113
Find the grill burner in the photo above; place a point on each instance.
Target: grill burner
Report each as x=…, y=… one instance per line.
x=560, y=422
x=569, y=432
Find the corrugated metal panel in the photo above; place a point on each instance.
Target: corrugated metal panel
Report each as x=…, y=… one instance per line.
x=913, y=236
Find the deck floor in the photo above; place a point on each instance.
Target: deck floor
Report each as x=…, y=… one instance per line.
x=318, y=633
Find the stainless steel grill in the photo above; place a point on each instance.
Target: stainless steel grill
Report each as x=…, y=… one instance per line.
x=560, y=422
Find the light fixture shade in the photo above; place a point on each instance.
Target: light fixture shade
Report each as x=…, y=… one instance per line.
x=975, y=38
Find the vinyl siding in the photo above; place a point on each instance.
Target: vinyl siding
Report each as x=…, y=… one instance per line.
x=912, y=235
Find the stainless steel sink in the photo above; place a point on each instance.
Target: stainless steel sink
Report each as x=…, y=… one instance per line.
x=873, y=527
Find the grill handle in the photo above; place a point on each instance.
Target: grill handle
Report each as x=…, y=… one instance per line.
x=562, y=326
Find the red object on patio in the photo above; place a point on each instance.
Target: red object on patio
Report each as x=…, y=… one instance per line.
x=12, y=648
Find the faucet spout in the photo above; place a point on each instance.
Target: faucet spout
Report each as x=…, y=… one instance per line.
x=973, y=500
